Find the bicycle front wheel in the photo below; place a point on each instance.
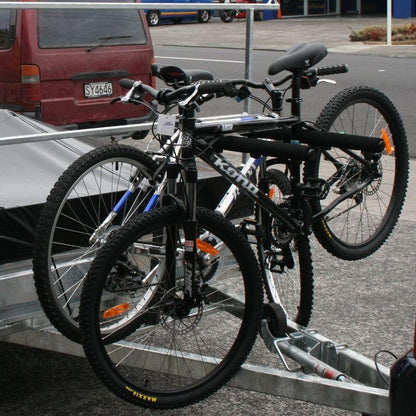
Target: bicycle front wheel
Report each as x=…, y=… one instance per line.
x=286, y=266
x=361, y=223
x=80, y=201
x=174, y=354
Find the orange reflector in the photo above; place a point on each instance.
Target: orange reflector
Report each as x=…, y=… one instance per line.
x=206, y=247
x=386, y=140
x=271, y=193
x=116, y=310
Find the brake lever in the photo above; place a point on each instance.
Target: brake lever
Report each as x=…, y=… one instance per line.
x=328, y=81
x=130, y=92
x=189, y=98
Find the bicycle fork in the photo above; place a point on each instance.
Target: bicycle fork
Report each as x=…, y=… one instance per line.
x=192, y=280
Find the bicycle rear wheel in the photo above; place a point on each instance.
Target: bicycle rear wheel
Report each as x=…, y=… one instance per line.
x=174, y=354
x=79, y=202
x=360, y=224
x=286, y=266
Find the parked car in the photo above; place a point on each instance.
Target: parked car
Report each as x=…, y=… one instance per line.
x=154, y=17
x=227, y=16
x=62, y=66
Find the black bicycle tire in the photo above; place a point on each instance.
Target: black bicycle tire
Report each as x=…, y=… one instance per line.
x=322, y=230
x=94, y=347
x=301, y=249
x=45, y=228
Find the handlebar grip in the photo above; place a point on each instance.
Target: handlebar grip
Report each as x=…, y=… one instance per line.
x=330, y=70
x=217, y=87
x=129, y=83
x=126, y=83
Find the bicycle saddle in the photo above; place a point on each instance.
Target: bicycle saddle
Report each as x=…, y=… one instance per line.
x=178, y=77
x=299, y=57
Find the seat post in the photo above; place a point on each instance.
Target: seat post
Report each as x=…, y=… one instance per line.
x=295, y=166
x=296, y=100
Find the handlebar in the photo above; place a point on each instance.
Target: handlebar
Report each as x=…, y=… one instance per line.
x=230, y=88
x=163, y=96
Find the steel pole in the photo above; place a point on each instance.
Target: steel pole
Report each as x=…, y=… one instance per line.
x=389, y=22
x=248, y=62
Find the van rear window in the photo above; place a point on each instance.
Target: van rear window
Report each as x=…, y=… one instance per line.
x=89, y=28
x=7, y=28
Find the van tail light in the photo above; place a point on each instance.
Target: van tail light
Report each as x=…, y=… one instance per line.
x=30, y=83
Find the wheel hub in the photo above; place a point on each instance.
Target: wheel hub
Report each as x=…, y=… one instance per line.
x=176, y=316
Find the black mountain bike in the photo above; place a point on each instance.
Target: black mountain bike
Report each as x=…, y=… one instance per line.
x=87, y=203
x=171, y=304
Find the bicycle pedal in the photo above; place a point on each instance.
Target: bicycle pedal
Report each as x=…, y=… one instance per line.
x=313, y=188
x=249, y=226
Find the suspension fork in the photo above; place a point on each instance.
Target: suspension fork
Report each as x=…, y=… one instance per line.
x=190, y=229
x=171, y=236
x=188, y=166
x=192, y=286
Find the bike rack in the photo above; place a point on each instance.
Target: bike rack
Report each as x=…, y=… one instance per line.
x=350, y=381
x=328, y=374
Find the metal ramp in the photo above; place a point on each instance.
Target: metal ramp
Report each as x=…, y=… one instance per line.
x=22, y=322
x=324, y=372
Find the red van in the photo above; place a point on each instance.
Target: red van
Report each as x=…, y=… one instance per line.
x=62, y=66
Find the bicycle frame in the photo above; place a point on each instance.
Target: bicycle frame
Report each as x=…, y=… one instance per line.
x=239, y=178
x=242, y=183
x=243, y=124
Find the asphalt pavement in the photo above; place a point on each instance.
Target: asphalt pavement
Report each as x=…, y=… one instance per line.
x=367, y=304
x=280, y=34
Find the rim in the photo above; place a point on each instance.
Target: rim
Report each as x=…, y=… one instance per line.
x=358, y=219
x=69, y=251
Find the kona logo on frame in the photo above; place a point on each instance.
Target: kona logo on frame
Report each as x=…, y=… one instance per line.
x=233, y=173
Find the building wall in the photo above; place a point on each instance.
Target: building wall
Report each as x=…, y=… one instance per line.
x=401, y=8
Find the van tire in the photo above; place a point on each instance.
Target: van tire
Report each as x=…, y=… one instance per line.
x=227, y=16
x=204, y=16
x=153, y=17
x=140, y=135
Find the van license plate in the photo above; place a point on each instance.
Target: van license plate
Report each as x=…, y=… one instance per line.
x=98, y=89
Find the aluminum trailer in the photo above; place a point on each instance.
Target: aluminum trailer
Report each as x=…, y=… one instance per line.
x=324, y=372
